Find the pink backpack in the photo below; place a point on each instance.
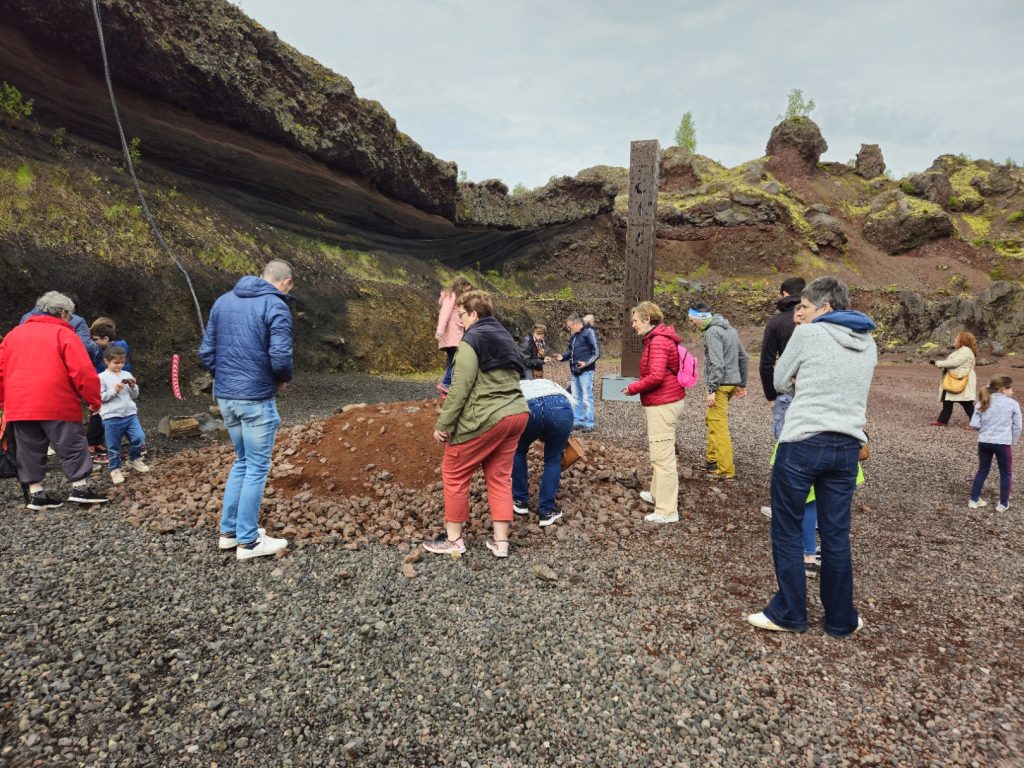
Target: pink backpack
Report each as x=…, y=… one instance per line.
x=687, y=373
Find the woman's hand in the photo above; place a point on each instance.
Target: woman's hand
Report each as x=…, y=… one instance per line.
x=441, y=437
x=709, y=401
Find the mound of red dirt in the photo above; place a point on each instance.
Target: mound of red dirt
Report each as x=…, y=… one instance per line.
x=373, y=475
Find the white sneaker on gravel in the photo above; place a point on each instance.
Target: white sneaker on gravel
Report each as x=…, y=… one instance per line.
x=1001, y=508
x=116, y=476
x=138, y=465
x=230, y=542
x=265, y=545
x=761, y=621
x=766, y=511
x=977, y=504
x=646, y=496
x=520, y=509
x=655, y=517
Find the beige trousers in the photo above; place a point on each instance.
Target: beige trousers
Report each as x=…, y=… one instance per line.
x=661, y=436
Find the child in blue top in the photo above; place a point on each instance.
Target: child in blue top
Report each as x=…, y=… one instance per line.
x=118, y=392
x=997, y=419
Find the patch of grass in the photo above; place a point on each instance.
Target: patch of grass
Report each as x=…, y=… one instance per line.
x=506, y=284
x=700, y=273
x=1013, y=249
x=12, y=103
x=23, y=178
x=980, y=225
x=360, y=265
x=230, y=259
x=1016, y=217
x=564, y=294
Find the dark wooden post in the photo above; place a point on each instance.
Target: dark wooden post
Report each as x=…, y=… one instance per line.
x=644, y=159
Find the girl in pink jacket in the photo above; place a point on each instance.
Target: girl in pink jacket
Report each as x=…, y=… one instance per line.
x=449, y=327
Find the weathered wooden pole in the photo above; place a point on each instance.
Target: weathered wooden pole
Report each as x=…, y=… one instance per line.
x=644, y=159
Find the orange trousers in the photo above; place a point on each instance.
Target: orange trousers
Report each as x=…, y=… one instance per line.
x=494, y=450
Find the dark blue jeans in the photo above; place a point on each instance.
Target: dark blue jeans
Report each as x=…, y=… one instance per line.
x=550, y=420
x=1004, y=458
x=828, y=461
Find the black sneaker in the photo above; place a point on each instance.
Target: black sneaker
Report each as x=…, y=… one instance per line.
x=84, y=495
x=547, y=520
x=42, y=500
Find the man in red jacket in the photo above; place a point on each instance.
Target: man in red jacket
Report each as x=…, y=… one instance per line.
x=45, y=374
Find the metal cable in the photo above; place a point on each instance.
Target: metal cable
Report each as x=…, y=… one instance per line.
x=131, y=168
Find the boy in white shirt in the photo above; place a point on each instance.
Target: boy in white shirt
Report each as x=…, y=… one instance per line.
x=118, y=392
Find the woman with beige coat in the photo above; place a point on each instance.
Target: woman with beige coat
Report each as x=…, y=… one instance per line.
x=961, y=365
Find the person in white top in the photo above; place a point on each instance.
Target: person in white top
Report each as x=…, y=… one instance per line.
x=120, y=414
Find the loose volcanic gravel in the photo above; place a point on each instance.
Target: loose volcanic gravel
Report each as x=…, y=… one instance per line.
x=129, y=639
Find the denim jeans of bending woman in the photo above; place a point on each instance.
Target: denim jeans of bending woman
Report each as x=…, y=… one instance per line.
x=252, y=425
x=551, y=420
x=827, y=461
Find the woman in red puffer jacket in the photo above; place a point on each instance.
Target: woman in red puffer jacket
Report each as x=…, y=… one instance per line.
x=662, y=398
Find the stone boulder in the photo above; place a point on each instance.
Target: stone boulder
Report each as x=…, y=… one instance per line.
x=900, y=223
x=869, y=161
x=614, y=178
x=828, y=230
x=930, y=185
x=998, y=181
x=797, y=138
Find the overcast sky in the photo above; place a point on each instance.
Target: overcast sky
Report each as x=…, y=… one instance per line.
x=525, y=89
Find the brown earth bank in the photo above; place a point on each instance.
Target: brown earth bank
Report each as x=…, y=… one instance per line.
x=600, y=638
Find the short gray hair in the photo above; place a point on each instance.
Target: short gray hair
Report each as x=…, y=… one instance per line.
x=276, y=271
x=53, y=303
x=574, y=319
x=827, y=290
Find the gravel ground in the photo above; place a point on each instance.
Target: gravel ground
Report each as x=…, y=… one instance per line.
x=621, y=645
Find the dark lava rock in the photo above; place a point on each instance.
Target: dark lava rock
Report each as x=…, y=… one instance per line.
x=799, y=137
x=869, y=161
x=930, y=185
x=899, y=223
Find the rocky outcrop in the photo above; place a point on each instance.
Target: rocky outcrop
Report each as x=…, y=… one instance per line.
x=562, y=200
x=797, y=141
x=683, y=172
x=207, y=58
x=828, y=230
x=930, y=185
x=869, y=161
x=900, y=223
x=737, y=209
x=614, y=179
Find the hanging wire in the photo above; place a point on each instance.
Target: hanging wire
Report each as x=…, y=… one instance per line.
x=131, y=169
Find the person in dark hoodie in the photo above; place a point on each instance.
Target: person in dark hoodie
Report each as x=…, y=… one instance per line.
x=776, y=334
x=662, y=398
x=248, y=349
x=480, y=424
x=827, y=367
x=725, y=373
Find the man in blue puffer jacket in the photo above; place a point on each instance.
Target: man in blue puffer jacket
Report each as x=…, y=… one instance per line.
x=248, y=349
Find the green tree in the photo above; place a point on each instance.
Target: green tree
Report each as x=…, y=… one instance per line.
x=797, y=107
x=520, y=189
x=686, y=134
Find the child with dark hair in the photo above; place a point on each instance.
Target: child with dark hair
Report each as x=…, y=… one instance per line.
x=998, y=421
x=118, y=392
x=104, y=334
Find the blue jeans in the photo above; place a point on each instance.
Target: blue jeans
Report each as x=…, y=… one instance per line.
x=551, y=419
x=828, y=461
x=811, y=528
x=779, y=408
x=252, y=425
x=583, y=392
x=1004, y=458
x=116, y=428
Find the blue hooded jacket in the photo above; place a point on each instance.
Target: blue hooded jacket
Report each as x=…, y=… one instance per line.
x=248, y=341
x=848, y=318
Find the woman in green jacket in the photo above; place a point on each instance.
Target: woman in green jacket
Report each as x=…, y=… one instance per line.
x=480, y=424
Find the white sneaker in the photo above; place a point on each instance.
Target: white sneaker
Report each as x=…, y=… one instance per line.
x=520, y=509
x=138, y=465
x=116, y=476
x=977, y=504
x=265, y=545
x=646, y=496
x=1001, y=508
x=654, y=517
x=761, y=621
x=766, y=511
x=230, y=542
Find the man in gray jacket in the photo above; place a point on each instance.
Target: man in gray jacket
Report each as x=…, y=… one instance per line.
x=827, y=367
x=725, y=373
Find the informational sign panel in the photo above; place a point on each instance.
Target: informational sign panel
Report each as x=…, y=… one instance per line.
x=644, y=159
